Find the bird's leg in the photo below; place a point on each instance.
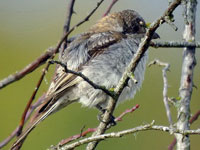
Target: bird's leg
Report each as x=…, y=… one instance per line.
x=111, y=121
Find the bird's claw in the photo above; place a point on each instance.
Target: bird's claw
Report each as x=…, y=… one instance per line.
x=111, y=122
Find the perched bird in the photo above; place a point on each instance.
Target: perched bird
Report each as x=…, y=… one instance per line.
x=101, y=54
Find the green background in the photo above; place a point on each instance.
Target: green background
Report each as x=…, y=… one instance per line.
x=28, y=28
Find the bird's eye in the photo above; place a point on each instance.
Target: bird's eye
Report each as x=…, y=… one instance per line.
x=141, y=23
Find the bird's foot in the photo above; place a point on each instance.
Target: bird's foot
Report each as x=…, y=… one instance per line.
x=111, y=122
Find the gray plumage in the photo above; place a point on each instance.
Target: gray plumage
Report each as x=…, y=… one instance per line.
x=102, y=54
x=106, y=69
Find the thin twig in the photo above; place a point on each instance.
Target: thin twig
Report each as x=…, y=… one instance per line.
x=173, y=143
x=172, y=44
x=66, y=27
x=109, y=8
x=23, y=118
x=70, y=11
x=195, y=117
x=165, y=87
x=131, y=67
x=170, y=21
x=28, y=69
x=85, y=19
x=119, y=118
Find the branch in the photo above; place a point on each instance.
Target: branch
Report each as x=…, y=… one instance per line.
x=109, y=8
x=186, y=83
x=28, y=69
x=194, y=118
x=131, y=67
x=23, y=118
x=119, y=118
x=165, y=87
x=70, y=11
x=172, y=44
x=85, y=19
x=123, y=133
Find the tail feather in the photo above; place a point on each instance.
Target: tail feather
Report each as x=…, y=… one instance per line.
x=18, y=143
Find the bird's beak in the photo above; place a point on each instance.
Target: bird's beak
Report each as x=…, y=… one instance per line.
x=155, y=36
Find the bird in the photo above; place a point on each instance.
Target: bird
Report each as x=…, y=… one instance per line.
x=102, y=54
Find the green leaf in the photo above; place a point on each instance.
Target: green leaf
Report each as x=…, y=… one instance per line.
x=178, y=98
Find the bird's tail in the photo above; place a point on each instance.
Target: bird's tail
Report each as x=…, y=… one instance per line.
x=33, y=122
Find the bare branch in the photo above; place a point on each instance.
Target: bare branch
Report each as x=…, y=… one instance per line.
x=171, y=146
x=131, y=67
x=186, y=84
x=22, y=121
x=70, y=11
x=194, y=118
x=119, y=118
x=172, y=44
x=123, y=133
x=165, y=87
x=28, y=69
x=169, y=20
x=109, y=8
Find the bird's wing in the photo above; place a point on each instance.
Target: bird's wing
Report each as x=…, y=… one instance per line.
x=99, y=42
x=94, y=44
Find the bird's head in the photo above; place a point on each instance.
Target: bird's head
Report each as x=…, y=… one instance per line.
x=126, y=21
